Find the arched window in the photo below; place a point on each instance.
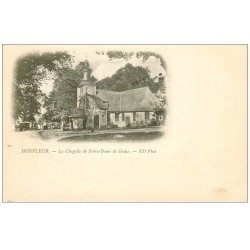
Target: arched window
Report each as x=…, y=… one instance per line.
x=81, y=92
x=83, y=102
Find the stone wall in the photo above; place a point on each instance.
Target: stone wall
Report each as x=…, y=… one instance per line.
x=102, y=114
x=129, y=118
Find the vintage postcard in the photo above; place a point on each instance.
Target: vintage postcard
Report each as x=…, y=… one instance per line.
x=125, y=123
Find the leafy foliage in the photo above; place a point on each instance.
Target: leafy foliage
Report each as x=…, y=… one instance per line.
x=131, y=77
x=30, y=71
x=128, y=77
x=62, y=99
x=113, y=54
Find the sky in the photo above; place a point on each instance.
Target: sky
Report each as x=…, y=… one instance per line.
x=103, y=67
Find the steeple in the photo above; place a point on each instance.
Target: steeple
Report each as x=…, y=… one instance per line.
x=86, y=86
x=86, y=71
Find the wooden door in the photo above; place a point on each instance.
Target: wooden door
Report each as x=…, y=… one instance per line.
x=84, y=123
x=96, y=121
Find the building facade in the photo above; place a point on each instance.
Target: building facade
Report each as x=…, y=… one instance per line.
x=102, y=108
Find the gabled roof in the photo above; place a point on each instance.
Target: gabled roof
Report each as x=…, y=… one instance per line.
x=101, y=104
x=98, y=101
x=112, y=97
x=140, y=99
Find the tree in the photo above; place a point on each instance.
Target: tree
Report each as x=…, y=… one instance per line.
x=52, y=114
x=113, y=54
x=129, y=77
x=30, y=71
x=62, y=100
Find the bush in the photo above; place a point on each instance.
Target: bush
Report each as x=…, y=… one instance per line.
x=128, y=125
x=137, y=124
x=112, y=125
x=152, y=122
x=103, y=127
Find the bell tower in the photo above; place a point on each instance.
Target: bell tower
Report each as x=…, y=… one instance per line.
x=86, y=86
x=86, y=71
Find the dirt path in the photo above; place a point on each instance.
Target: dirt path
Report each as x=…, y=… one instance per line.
x=59, y=134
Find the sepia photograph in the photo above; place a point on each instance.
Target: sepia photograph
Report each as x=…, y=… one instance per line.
x=100, y=96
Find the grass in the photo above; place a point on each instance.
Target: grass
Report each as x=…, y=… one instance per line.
x=117, y=137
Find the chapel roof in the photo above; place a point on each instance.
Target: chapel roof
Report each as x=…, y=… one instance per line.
x=140, y=99
x=101, y=104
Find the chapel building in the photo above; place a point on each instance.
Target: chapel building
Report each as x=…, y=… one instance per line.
x=100, y=108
